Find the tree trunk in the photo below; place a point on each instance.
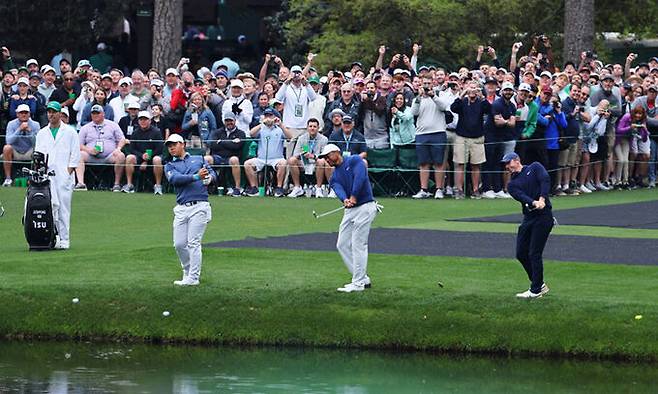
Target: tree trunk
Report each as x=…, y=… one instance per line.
x=578, y=28
x=167, y=32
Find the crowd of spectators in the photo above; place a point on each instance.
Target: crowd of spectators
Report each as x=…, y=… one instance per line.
x=594, y=126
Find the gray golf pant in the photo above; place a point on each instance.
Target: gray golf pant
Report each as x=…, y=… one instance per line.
x=353, y=240
x=189, y=226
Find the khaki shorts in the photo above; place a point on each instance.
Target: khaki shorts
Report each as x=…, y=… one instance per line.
x=472, y=147
x=27, y=156
x=610, y=137
x=569, y=156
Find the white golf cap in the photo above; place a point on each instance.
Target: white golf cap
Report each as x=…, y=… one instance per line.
x=133, y=105
x=23, y=108
x=31, y=61
x=172, y=71
x=507, y=85
x=157, y=82
x=295, y=69
x=47, y=68
x=144, y=114
x=23, y=80
x=127, y=80
x=546, y=74
x=237, y=83
x=525, y=86
x=83, y=63
x=65, y=111
x=328, y=149
x=174, y=138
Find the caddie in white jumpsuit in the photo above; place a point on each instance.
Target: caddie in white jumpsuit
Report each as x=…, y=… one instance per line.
x=351, y=184
x=190, y=175
x=60, y=143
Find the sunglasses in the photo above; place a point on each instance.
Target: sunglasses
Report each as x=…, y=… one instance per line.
x=68, y=79
x=346, y=91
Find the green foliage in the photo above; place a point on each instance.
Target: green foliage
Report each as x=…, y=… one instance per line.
x=627, y=16
x=42, y=28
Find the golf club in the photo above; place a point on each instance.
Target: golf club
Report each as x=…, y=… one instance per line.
x=2, y=210
x=318, y=216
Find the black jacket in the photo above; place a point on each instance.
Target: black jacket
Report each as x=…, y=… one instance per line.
x=143, y=139
x=221, y=142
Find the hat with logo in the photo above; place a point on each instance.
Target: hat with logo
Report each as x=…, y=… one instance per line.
x=314, y=79
x=54, y=106
x=133, y=105
x=328, y=149
x=144, y=114
x=23, y=80
x=525, y=86
x=228, y=116
x=23, y=108
x=347, y=119
x=236, y=83
x=171, y=71
x=84, y=63
x=507, y=86
x=174, y=138
x=125, y=80
x=106, y=76
x=509, y=157
x=295, y=69
x=30, y=62
x=97, y=109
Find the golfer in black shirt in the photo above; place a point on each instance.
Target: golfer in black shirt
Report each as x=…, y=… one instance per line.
x=530, y=186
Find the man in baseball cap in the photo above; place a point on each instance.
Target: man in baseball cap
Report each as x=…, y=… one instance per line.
x=20, y=140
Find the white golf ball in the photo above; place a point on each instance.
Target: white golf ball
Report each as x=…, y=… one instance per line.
x=165, y=313
x=75, y=300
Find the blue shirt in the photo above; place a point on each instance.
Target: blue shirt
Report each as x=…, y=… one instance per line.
x=182, y=174
x=350, y=178
x=551, y=133
x=355, y=143
x=528, y=185
x=270, y=143
x=22, y=141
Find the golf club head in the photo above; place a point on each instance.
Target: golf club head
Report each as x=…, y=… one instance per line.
x=315, y=214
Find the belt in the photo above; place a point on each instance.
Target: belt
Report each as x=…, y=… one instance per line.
x=190, y=203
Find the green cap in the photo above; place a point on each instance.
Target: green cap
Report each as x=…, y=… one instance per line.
x=314, y=79
x=55, y=106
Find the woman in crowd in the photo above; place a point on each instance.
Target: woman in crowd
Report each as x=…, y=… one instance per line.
x=100, y=98
x=402, y=129
x=198, y=119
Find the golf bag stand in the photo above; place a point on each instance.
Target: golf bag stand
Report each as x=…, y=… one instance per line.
x=40, y=231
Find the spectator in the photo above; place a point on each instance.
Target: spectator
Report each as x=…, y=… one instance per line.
x=402, y=129
x=263, y=104
x=120, y=103
x=239, y=105
x=144, y=150
x=100, y=98
x=296, y=95
x=606, y=90
x=129, y=123
x=594, y=146
x=47, y=87
x=171, y=77
x=373, y=117
x=499, y=142
x=347, y=103
x=648, y=102
x=35, y=81
x=101, y=142
x=308, y=148
x=349, y=140
x=155, y=95
x=158, y=120
x=271, y=134
x=553, y=120
x=226, y=149
x=22, y=97
x=471, y=108
x=568, y=157
x=335, y=123
x=21, y=133
x=198, y=119
x=431, y=137
x=101, y=61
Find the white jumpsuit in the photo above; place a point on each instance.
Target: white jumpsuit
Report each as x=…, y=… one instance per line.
x=63, y=152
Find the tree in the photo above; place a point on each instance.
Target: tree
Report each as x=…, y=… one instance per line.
x=167, y=32
x=578, y=28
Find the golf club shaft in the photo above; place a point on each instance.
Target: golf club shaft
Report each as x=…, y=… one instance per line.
x=330, y=212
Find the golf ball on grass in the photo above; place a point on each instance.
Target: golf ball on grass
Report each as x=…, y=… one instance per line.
x=638, y=317
x=165, y=313
x=75, y=300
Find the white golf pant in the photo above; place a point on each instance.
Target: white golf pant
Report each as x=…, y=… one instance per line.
x=189, y=225
x=353, y=239
x=61, y=191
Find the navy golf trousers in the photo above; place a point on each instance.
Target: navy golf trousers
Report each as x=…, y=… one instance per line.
x=530, y=241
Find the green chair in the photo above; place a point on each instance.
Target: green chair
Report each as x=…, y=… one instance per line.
x=381, y=169
x=407, y=171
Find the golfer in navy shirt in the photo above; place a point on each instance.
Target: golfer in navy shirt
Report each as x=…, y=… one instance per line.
x=530, y=186
x=351, y=184
x=189, y=175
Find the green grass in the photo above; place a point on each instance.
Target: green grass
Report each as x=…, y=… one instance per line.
x=122, y=263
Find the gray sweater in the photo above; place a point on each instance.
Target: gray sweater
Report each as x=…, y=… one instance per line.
x=429, y=111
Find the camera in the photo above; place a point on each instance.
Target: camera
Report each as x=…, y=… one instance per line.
x=591, y=55
x=556, y=104
x=452, y=85
x=581, y=109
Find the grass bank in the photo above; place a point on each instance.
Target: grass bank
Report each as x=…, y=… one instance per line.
x=121, y=266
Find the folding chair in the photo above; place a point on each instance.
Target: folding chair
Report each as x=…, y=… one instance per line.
x=407, y=171
x=381, y=168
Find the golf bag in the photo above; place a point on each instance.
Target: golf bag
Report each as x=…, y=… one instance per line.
x=40, y=231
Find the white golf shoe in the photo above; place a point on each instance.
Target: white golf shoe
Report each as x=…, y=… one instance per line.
x=187, y=281
x=351, y=287
x=528, y=295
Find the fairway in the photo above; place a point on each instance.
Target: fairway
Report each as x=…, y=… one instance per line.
x=122, y=263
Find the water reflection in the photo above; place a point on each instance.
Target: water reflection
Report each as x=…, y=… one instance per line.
x=82, y=368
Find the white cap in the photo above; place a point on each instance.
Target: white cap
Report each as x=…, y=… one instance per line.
x=546, y=74
x=525, y=86
x=47, y=68
x=172, y=71
x=133, y=105
x=323, y=79
x=202, y=72
x=101, y=46
x=157, y=82
x=328, y=149
x=31, y=61
x=295, y=69
x=507, y=85
x=23, y=80
x=173, y=138
x=65, y=111
x=127, y=80
x=106, y=75
x=23, y=108
x=84, y=62
x=237, y=83
x=144, y=114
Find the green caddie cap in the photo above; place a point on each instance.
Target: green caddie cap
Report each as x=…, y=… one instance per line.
x=55, y=106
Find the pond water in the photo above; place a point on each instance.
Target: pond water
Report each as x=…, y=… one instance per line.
x=64, y=367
